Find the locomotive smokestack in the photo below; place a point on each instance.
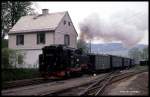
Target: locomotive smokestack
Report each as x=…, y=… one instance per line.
x=45, y=11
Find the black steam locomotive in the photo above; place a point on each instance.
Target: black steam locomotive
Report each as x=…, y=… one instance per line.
x=62, y=61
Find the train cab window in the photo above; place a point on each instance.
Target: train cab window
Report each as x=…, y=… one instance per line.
x=66, y=40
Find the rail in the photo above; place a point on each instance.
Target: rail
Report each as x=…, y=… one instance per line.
x=98, y=87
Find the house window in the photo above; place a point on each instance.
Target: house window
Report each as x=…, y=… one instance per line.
x=64, y=22
x=40, y=38
x=69, y=23
x=66, y=40
x=20, y=40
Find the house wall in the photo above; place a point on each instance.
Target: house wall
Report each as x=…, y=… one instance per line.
x=66, y=29
x=30, y=41
x=31, y=58
x=30, y=48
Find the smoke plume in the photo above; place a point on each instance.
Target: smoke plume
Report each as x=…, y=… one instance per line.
x=128, y=27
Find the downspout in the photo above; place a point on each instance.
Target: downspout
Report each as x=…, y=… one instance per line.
x=54, y=37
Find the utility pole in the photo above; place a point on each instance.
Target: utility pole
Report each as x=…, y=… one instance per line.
x=90, y=45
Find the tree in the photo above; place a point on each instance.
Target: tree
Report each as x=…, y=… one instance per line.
x=144, y=53
x=4, y=43
x=81, y=44
x=11, y=12
x=135, y=53
x=138, y=54
x=5, y=58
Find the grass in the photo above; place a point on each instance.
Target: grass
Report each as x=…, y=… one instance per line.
x=18, y=74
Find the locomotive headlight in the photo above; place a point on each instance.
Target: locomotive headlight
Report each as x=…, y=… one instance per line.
x=94, y=74
x=77, y=60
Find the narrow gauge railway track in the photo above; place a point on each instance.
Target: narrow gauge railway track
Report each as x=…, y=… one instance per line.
x=79, y=85
x=52, y=87
x=26, y=82
x=97, y=87
x=72, y=91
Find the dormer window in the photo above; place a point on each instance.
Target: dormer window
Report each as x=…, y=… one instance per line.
x=64, y=22
x=69, y=23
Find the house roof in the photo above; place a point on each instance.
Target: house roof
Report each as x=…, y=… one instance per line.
x=38, y=22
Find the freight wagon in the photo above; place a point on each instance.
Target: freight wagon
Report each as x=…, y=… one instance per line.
x=116, y=62
x=132, y=63
x=99, y=62
x=127, y=62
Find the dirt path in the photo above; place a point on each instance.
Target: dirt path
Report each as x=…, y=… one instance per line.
x=135, y=85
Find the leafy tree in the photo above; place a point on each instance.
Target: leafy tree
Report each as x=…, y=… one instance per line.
x=144, y=53
x=11, y=12
x=5, y=58
x=4, y=43
x=135, y=53
x=81, y=44
x=138, y=54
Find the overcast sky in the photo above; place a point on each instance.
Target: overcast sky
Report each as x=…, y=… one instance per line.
x=107, y=11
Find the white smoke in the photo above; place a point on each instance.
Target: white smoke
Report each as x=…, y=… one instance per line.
x=125, y=26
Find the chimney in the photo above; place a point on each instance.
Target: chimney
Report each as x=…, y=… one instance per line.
x=44, y=11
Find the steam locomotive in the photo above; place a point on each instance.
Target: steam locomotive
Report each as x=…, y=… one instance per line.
x=62, y=61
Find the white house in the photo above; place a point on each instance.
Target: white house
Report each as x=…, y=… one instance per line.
x=31, y=33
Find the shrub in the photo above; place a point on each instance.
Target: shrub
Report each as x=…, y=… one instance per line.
x=11, y=58
x=5, y=58
x=19, y=74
